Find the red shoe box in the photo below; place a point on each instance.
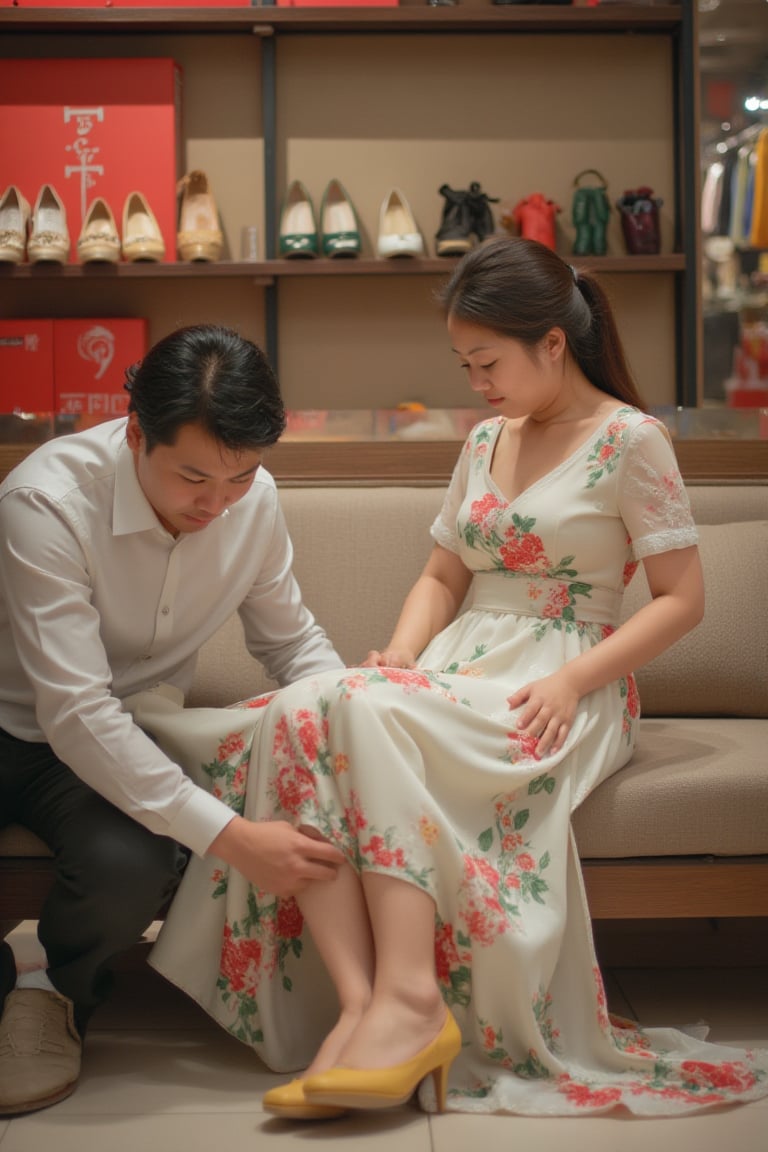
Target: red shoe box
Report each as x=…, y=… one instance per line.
x=94, y=128
x=338, y=3
x=26, y=366
x=126, y=4
x=89, y=362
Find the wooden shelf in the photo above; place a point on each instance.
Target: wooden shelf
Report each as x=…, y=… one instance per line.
x=260, y=274
x=267, y=19
x=439, y=265
x=430, y=462
x=264, y=272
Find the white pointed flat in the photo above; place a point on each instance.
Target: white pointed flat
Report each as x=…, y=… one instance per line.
x=14, y=219
x=49, y=238
x=398, y=232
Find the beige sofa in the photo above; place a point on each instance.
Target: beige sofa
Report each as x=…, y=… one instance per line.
x=682, y=831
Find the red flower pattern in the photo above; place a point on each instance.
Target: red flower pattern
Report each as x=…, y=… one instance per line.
x=410, y=679
x=629, y=570
x=522, y=747
x=377, y=849
x=483, y=510
x=584, y=1096
x=241, y=962
x=728, y=1076
x=558, y=599
x=294, y=787
x=231, y=747
x=312, y=735
x=354, y=815
x=524, y=553
x=258, y=701
x=633, y=697
x=446, y=953
x=479, y=904
x=290, y=922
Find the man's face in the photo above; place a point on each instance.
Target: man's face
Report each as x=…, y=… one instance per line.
x=191, y=482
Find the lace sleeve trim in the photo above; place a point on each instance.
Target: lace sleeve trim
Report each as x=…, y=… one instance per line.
x=665, y=541
x=443, y=536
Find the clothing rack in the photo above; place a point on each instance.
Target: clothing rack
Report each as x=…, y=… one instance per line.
x=736, y=139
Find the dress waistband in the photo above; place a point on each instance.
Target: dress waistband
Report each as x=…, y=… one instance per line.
x=545, y=597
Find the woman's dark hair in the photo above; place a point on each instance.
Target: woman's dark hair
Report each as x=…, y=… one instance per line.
x=209, y=376
x=521, y=289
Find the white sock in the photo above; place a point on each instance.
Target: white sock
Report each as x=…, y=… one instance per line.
x=38, y=978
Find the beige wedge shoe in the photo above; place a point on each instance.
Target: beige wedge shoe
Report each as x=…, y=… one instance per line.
x=199, y=237
x=142, y=238
x=14, y=220
x=49, y=238
x=98, y=238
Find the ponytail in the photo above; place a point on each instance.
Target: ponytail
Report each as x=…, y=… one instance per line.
x=522, y=289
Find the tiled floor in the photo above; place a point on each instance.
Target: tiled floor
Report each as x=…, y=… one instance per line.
x=159, y=1076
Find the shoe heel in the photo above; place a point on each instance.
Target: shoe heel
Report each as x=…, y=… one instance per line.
x=440, y=1081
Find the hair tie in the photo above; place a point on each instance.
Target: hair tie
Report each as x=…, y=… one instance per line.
x=574, y=273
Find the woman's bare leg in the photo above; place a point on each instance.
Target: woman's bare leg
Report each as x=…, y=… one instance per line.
x=406, y=1011
x=337, y=917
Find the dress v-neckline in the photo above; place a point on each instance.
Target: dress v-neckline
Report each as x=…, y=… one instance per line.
x=553, y=472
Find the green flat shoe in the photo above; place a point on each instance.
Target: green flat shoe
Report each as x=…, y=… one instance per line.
x=339, y=224
x=298, y=224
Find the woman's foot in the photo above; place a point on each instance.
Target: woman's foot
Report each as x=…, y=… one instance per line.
x=389, y=1087
x=392, y=1031
x=331, y=1048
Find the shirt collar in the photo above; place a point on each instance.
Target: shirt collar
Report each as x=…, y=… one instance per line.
x=131, y=511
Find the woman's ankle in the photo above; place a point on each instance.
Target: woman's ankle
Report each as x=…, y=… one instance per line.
x=419, y=999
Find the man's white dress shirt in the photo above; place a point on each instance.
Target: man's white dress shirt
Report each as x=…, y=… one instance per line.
x=98, y=601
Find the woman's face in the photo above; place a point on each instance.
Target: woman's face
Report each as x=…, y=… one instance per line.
x=512, y=378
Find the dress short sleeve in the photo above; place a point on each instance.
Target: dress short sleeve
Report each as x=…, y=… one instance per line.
x=652, y=499
x=444, y=529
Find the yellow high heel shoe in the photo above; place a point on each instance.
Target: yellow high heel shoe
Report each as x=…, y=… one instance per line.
x=289, y=1102
x=389, y=1087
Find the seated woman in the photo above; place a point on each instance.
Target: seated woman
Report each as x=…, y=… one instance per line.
x=446, y=768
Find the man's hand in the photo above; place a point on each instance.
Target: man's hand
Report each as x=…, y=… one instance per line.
x=275, y=856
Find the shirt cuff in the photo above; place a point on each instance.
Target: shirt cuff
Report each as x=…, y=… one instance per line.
x=199, y=821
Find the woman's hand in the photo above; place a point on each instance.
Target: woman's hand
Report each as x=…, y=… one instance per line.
x=390, y=658
x=549, y=707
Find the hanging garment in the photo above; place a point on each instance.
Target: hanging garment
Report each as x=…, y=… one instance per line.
x=738, y=197
x=759, y=234
x=710, y=197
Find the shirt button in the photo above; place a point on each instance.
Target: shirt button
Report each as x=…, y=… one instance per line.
x=165, y=610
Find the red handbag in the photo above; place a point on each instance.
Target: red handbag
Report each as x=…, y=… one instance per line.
x=639, y=214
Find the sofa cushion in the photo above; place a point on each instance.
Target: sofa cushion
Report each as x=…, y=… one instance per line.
x=380, y=537
x=693, y=787
x=725, y=503
x=721, y=668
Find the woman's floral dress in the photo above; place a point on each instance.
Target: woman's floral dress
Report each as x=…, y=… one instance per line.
x=422, y=775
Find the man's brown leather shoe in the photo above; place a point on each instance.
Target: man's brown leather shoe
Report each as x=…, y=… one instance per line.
x=40, y=1050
